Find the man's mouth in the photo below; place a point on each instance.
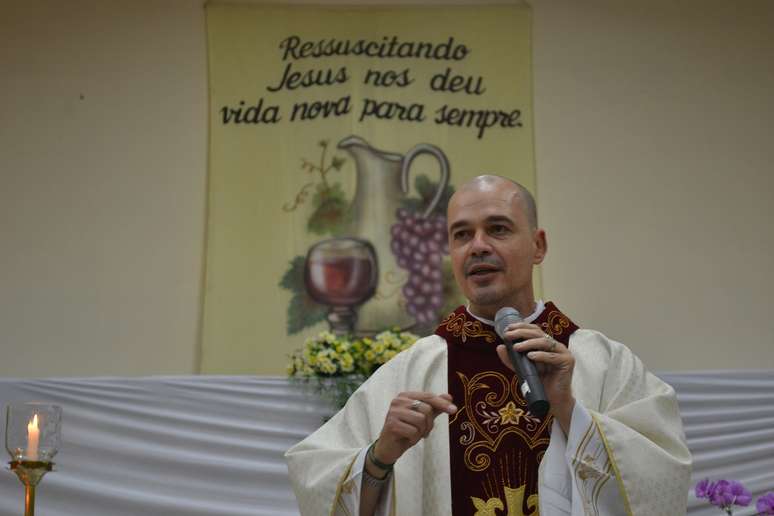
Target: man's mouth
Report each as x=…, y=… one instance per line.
x=482, y=270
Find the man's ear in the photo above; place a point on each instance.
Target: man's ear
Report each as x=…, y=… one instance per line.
x=541, y=246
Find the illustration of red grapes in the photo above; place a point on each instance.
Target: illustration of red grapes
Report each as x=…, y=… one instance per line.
x=419, y=244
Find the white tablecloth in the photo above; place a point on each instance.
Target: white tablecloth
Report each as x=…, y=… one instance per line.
x=213, y=445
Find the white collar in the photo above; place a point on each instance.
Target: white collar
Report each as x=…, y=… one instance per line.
x=540, y=306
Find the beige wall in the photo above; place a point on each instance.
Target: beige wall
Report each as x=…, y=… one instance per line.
x=653, y=128
x=654, y=124
x=102, y=168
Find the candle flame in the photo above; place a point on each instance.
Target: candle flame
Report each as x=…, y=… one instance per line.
x=33, y=425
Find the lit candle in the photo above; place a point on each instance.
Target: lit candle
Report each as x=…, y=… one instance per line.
x=33, y=436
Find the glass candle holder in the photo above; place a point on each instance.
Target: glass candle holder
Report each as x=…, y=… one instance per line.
x=33, y=431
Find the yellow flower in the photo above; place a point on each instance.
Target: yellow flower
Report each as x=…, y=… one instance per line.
x=347, y=363
x=510, y=414
x=327, y=366
x=329, y=355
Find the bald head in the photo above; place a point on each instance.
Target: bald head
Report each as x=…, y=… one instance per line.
x=505, y=186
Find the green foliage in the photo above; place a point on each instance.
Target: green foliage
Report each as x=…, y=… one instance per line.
x=330, y=207
x=426, y=190
x=337, y=162
x=331, y=210
x=303, y=311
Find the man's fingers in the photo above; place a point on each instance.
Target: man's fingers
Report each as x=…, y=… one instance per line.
x=439, y=403
x=418, y=418
x=523, y=326
x=405, y=430
x=523, y=331
x=544, y=360
x=544, y=357
x=423, y=422
x=542, y=343
x=504, y=358
x=419, y=407
x=418, y=395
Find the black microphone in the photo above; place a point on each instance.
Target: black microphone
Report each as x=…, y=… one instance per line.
x=531, y=387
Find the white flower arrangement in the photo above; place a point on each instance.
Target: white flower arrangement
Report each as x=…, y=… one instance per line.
x=336, y=365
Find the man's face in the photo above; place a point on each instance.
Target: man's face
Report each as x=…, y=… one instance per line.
x=492, y=247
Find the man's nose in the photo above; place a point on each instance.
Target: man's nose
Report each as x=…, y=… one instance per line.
x=480, y=245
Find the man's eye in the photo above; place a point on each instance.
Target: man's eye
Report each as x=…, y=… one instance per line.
x=499, y=229
x=459, y=235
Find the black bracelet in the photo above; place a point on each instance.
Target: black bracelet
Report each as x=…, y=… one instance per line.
x=376, y=462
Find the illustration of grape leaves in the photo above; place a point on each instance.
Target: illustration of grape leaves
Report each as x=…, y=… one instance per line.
x=330, y=207
x=303, y=311
x=426, y=190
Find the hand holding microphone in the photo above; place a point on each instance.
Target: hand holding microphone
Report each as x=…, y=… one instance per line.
x=544, y=366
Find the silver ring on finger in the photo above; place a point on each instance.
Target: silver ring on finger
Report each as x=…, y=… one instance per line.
x=553, y=344
x=415, y=405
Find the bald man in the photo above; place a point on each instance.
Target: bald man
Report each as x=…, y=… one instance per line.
x=443, y=428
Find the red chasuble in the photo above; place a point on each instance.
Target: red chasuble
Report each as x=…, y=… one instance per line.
x=495, y=443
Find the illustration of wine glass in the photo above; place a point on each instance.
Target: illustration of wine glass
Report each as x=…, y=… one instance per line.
x=341, y=273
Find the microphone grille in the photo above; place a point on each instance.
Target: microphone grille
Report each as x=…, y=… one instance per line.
x=504, y=317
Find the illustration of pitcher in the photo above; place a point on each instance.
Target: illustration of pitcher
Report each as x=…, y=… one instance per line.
x=382, y=183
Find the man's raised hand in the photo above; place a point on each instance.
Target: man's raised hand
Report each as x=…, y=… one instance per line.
x=409, y=419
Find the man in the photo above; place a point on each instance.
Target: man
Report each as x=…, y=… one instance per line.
x=443, y=429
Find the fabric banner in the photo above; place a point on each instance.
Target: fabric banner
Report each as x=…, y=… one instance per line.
x=337, y=135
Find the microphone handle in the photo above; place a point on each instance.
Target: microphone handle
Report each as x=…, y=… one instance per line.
x=531, y=387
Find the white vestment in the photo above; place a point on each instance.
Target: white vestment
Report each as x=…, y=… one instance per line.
x=625, y=453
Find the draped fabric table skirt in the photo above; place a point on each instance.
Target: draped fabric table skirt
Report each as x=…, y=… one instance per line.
x=213, y=445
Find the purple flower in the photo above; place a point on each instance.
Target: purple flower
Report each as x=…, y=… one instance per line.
x=765, y=504
x=720, y=495
x=728, y=493
x=704, y=488
x=743, y=497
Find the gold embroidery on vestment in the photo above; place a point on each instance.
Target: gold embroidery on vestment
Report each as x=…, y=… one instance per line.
x=514, y=500
x=494, y=416
x=556, y=323
x=487, y=508
x=592, y=468
x=459, y=326
x=509, y=414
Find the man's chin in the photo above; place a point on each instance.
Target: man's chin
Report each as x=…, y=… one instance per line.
x=486, y=298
